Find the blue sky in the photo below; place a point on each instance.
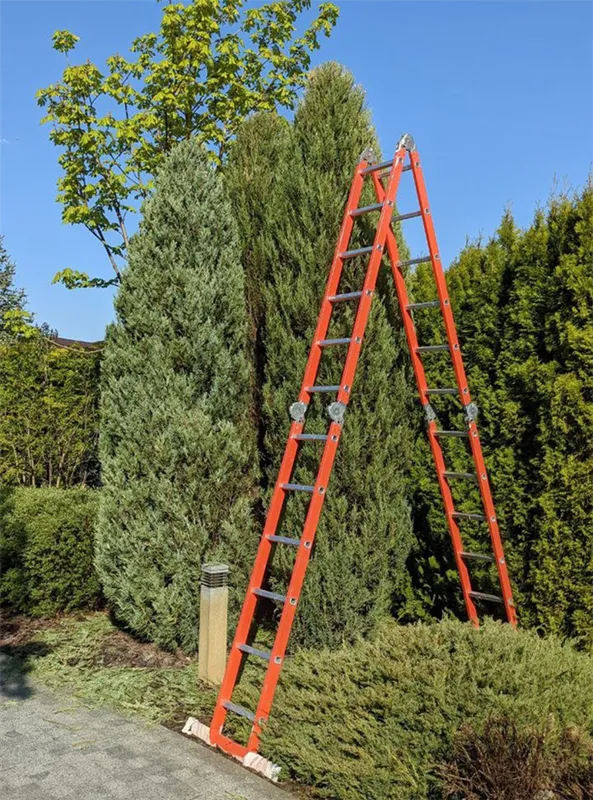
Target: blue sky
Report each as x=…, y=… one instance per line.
x=499, y=96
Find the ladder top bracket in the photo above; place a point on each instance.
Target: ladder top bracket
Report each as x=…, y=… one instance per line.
x=368, y=154
x=408, y=142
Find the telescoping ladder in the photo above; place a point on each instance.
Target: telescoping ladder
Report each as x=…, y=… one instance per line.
x=385, y=178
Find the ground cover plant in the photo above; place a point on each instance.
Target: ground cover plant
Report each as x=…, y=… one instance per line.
x=381, y=719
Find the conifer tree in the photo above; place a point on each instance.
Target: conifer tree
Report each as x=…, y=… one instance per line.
x=524, y=304
x=364, y=533
x=176, y=444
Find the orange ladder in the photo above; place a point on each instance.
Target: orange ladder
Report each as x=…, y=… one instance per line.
x=384, y=244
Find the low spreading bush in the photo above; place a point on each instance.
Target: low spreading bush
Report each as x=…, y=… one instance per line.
x=47, y=550
x=376, y=720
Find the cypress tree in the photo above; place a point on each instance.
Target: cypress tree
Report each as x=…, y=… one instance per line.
x=524, y=304
x=364, y=533
x=176, y=444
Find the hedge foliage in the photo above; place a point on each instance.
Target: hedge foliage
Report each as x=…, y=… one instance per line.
x=47, y=550
x=376, y=719
x=524, y=307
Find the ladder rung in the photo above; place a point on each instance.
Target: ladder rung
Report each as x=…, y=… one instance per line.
x=284, y=540
x=471, y=476
x=330, y=342
x=444, y=391
x=412, y=261
x=297, y=487
x=477, y=557
x=387, y=173
x=460, y=434
x=242, y=712
x=432, y=348
x=360, y=251
x=375, y=167
x=310, y=437
x=402, y=217
x=280, y=598
x=491, y=598
x=338, y=298
x=323, y=388
x=253, y=651
x=428, y=304
x=366, y=209
x=463, y=515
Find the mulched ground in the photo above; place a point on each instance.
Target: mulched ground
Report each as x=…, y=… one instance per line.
x=16, y=631
x=118, y=649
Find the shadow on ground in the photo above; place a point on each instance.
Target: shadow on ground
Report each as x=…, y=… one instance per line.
x=16, y=662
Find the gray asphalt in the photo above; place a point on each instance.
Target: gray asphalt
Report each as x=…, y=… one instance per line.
x=53, y=746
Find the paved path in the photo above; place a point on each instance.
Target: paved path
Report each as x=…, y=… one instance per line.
x=52, y=746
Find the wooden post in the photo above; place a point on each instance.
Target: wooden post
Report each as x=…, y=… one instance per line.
x=214, y=600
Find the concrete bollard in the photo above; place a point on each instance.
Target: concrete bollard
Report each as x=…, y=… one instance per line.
x=214, y=601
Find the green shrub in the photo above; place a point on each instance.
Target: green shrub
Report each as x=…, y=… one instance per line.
x=47, y=550
x=376, y=720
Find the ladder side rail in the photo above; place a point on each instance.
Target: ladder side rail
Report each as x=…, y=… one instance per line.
x=437, y=453
x=329, y=452
x=279, y=495
x=295, y=586
x=368, y=289
x=439, y=278
x=333, y=281
x=464, y=394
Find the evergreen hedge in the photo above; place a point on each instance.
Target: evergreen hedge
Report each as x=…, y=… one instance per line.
x=47, y=550
x=289, y=185
x=177, y=449
x=523, y=303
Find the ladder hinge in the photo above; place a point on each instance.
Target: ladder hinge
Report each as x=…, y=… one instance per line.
x=368, y=154
x=429, y=411
x=406, y=141
x=298, y=410
x=471, y=412
x=336, y=411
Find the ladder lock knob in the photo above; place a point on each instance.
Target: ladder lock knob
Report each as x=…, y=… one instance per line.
x=297, y=411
